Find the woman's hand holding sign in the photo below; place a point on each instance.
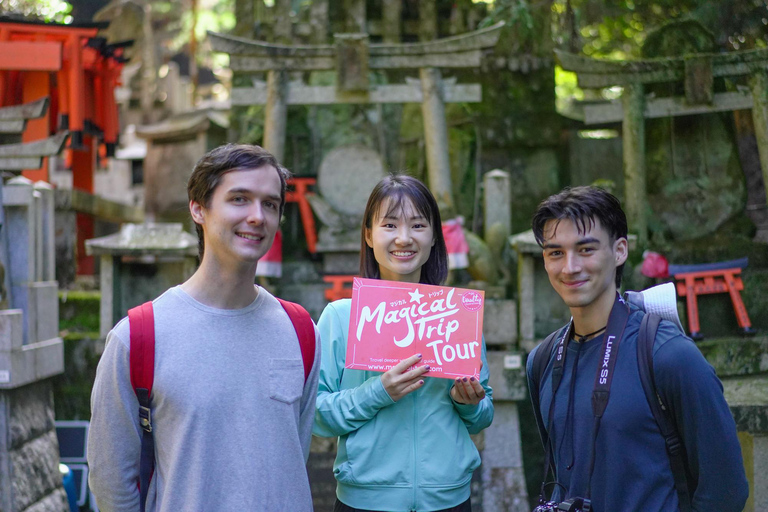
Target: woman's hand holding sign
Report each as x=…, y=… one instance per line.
x=467, y=390
x=398, y=382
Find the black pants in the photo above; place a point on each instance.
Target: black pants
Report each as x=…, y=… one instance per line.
x=340, y=507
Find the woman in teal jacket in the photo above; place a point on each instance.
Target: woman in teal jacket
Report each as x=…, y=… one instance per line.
x=404, y=440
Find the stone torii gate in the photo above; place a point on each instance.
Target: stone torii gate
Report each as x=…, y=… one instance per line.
x=698, y=72
x=352, y=56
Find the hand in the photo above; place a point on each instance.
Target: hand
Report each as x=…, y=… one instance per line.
x=398, y=382
x=467, y=390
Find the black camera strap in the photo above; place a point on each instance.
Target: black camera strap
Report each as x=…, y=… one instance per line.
x=614, y=332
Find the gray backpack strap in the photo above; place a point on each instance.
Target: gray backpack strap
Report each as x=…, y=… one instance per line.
x=663, y=416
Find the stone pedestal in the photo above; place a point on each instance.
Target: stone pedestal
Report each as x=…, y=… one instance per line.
x=504, y=488
x=139, y=263
x=742, y=365
x=29, y=451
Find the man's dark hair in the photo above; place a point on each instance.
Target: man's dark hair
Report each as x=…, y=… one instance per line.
x=399, y=188
x=208, y=171
x=583, y=206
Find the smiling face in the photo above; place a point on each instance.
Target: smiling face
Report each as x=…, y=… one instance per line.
x=582, y=265
x=401, y=241
x=242, y=217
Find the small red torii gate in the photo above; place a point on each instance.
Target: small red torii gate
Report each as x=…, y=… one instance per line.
x=79, y=72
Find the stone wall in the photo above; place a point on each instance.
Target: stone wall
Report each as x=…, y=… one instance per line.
x=29, y=463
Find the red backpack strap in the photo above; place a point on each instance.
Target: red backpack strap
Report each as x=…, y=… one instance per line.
x=305, y=330
x=141, y=321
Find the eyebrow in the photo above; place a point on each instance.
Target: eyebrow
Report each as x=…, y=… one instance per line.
x=396, y=217
x=583, y=241
x=247, y=191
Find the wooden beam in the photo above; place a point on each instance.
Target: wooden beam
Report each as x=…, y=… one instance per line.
x=612, y=111
x=45, y=147
x=12, y=125
x=596, y=73
x=302, y=94
x=439, y=60
x=31, y=110
x=30, y=56
x=13, y=163
x=83, y=202
x=241, y=47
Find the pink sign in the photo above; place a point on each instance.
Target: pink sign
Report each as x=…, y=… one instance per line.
x=391, y=321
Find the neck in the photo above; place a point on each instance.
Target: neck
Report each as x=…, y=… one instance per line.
x=593, y=317
x=223, y=289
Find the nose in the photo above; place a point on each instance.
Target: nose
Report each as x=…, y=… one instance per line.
x=255, y=215
x=572, y=263
x=403, y=236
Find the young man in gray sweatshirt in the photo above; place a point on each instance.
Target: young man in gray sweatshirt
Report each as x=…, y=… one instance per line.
x=231, y=411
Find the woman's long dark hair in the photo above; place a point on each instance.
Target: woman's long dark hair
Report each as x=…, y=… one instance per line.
x=397, y=188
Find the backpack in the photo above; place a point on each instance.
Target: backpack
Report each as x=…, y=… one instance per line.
x=684, y=484
x=142, y=366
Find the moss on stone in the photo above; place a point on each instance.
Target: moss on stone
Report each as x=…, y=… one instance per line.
x=79, y=311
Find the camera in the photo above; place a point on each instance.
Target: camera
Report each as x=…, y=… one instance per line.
x=569, y=505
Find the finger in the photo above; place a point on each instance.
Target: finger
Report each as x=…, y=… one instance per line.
x=460, y=394
x=407, y=363
x=413, y=387
x=417, y=372
x=469, y=391
x=477, y=387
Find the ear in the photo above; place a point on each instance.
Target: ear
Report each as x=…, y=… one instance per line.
x=621, y=250
x=368, y=238
x=196, y=210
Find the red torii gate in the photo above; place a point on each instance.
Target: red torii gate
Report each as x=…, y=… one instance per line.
x=79, y=72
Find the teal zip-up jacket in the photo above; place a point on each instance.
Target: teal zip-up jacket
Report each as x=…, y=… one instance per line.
x=410, y=455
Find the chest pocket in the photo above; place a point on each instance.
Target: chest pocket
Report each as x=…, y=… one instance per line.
x=286, y=379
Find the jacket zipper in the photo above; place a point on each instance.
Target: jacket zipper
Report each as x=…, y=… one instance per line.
x=415, y=450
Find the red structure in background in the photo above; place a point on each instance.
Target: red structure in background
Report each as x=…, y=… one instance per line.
x=79, y=72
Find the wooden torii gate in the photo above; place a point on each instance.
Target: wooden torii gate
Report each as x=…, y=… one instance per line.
x=352, y=56
x=698, y=72
x=86, y=71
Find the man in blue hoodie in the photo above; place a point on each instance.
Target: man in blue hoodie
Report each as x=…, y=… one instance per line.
x=597, y=424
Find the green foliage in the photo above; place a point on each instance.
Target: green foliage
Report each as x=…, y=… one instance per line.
x=45, y=10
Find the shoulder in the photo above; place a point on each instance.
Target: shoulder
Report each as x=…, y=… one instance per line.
x=547, y=344
x=340, y=308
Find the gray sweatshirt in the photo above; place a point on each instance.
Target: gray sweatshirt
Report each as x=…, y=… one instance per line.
x=231, y=413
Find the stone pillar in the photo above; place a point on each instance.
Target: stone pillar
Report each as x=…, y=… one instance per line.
x=633, y=133
x=5, y=282
x=525, y=282
x=759, y=85
x=30, y=480
x=245, y=18
x=391, y=25
x=503, y=477
x=46, y=237
x=427, y=20
x=318, y=20
x=30, y=354
x=106, y=304
x=356, y=16
x=20, y=228
x=283, y=31
x=275, y=115
x=497, y=202
x=436, y=136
